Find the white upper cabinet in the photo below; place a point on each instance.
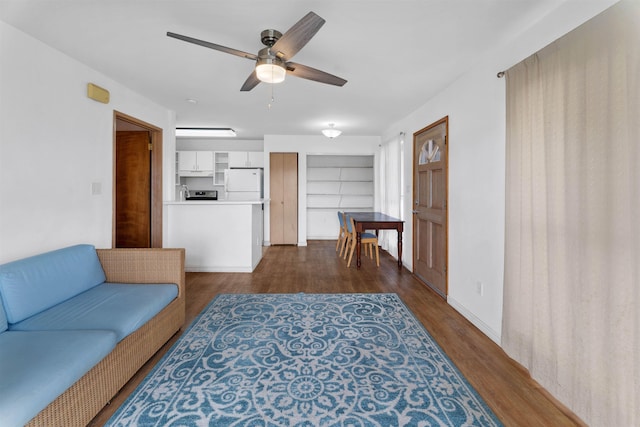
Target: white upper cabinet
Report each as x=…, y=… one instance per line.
x=195, y=163
x=246, y=159
x=255, y=159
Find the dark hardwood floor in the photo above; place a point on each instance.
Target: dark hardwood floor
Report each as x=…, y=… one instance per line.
x=504, y=385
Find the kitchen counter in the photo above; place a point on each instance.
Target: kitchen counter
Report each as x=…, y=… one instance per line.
x=218, y=235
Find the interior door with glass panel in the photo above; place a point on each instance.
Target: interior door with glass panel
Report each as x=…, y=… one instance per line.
x=430, y=205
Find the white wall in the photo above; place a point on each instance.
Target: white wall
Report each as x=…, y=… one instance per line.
x=305, y=145
x=217, y=144
x=475, y=105
x=55, y=142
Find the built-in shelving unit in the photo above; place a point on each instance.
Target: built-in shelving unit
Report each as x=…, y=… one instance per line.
x=336, y=183
x=221, y=163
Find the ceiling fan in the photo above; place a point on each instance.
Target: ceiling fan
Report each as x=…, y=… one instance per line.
x=273, y=61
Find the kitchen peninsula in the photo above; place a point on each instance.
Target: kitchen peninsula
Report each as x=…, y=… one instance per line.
x=219, y=236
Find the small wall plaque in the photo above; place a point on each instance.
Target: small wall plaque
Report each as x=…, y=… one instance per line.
x=97, y=93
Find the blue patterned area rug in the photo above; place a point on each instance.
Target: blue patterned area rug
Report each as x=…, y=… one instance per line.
x=305, y=360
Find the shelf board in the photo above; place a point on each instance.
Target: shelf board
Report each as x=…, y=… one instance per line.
x=338, y=180
x=341, y=194
x=341, y=208
x=339, y=167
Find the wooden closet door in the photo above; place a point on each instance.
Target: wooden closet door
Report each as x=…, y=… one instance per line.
x=284, y=198
x=290, y=198
x=276, y=205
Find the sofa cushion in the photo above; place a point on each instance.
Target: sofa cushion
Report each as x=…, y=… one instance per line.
x=3, y=318
x=31, y=285
x=119, y=307
x=36, y=367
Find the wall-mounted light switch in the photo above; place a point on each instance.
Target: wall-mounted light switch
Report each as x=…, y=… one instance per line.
x=96, y=188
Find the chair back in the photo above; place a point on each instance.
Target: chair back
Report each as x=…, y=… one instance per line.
x=341, y=218
x=349, y=222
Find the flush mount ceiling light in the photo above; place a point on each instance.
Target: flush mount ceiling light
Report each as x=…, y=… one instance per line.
x=205, y=132
x=331, y=132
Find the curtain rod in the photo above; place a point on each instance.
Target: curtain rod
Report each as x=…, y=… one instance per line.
x=500, y=74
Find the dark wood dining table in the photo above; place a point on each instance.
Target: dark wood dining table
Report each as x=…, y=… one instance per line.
x=376, y=221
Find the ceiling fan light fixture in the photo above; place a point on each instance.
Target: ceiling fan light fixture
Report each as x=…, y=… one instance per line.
x=270, y=72
x=331, y=132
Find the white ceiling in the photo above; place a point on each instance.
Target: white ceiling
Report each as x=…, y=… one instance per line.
x=395, y=54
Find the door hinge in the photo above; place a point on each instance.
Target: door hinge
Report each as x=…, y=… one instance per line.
x=150, y=147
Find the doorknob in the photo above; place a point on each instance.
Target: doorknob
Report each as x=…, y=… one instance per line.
x=415, y=212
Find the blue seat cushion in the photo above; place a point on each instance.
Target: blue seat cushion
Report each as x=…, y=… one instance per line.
x=31, y=285
x=118, y=307
x=3, y=318
x=36, y=367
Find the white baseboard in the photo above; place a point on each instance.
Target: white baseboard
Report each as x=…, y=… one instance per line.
x=218, y=269
x=268, y=243
x=484, y=328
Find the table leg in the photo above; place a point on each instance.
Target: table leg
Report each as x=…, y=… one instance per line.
x=399, y=250
x=358, y=240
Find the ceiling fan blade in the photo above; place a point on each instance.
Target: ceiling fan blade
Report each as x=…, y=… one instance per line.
x=297, y=36
x=213, y=46
x=251, y=82
x=309, y=73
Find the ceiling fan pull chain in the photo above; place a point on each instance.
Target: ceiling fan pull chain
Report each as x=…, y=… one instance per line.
x=272, y=99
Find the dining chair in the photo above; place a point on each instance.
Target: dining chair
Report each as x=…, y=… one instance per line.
x=347, y=241
x=342, y=233
x=367, y=240
x=350, y=237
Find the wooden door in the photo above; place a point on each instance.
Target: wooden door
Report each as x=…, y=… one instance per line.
x=283, y=207
x=133, y=189
x=430, y=206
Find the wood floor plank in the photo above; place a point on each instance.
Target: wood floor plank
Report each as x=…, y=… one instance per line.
x=504, y=385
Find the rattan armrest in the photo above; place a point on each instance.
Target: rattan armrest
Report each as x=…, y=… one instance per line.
x=164, y=265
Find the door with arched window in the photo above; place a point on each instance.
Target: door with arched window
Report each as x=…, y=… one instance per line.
x=430, y=205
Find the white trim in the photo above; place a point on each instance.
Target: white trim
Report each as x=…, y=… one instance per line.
x=476, y=321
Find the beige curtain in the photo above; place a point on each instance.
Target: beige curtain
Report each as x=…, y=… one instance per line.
x=390, y=194
x=572, y=263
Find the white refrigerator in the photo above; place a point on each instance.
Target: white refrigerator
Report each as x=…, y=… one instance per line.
x=243, y=184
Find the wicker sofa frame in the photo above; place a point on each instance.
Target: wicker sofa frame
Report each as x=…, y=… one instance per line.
x=80, y=403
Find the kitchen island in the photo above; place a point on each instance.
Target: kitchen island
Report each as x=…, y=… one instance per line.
x=218, y=235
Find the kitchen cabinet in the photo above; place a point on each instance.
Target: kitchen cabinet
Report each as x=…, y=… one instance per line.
x=246, y=159
x=219, y=236
x=195, y=163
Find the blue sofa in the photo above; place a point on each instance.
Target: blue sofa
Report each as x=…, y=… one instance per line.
x=77, y=323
